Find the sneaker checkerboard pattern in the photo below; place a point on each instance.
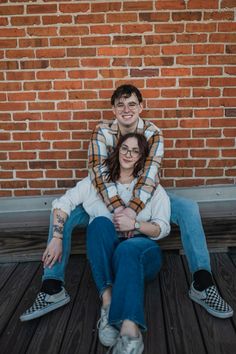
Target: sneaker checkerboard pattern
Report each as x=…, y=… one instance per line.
x=211, y=300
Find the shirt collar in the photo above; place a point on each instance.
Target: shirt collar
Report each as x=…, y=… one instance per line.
x=115, y=128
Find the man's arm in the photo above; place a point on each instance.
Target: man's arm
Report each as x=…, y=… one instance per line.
x=98, y=152
x=149, y=180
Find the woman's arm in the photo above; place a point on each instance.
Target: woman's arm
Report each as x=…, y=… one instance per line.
x=123, y=223
x=53, y=252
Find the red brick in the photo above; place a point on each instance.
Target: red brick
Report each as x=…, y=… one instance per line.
x=183, y=113
x=179, y=49
x=169, y=28
x=44, y=165
x=41, y=126
x=206, y=92
x=219, y=16
x=8, y=43
x=51, y=96
x=44, y=106
x=6, y=175
x=81, y=52
x=67, y=85
x=207, y=153
x=105, y=29
x=189, y=183
x=14, y=165
x=224, y=122
x=202, y=4
x=37, y=85
x=27, y=192
x=192, y=163
x=51, y=75
x=161, y=103
x=106, y=7
x=159, y=39
x=229, y=92
x=90, y=18
x=227, y=81
x=83, y=74
x=38, y=145
x=64, y=63
x=115, y=73
x=227, y=4
x=208, y=172
x=57, y=116
x=51, y=20
x=20, y=76
x=58, y=174
x=73, y=31
x=50, y=53
x=175, y=93
x=215, y=112
x=222, y=59
x=34, y=64
x=222, y=163
x=72, y=126
x=194, y=123
x=22, y=155
x=114, y=51
x=71, y=105
x=49, y=155
x=33, y=42
x=95, y=62
x=11, y=106
x=25, y=20
x=229, y=132
x=207, y=71
x=74, y=8
x=220, y=142
x=230, y=112
x=95, y=40
x=175, y=72
x=229, y=153
x=227, y=27
x=42, y=184
x=41, y=9
x=127, y=62
x=191, y=38
x=161, y=82
x=21, y=96
x=29, y=174
x=56, y=135
x=42, y=31
x=5, y=136
x=208, y=48
x=121, y=17
x=13, y=184
x=9, y=65
x=26, y=116
x=11, y=10
x=223, y=37
x=170, y=5
x=159, y=61
x=193, y=82
x=200, y=27
x=154, y=16
x=187, y=16
x=225, y=102
x=193, y=102
x=65, y=41
x=191, y=60
x=126, y=40
x=231, y=49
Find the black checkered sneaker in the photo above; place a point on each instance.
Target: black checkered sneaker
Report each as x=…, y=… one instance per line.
x=211, y=300
x=45, y=303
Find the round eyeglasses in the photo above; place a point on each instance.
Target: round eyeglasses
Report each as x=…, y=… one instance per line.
x=131, y=106
x=133, y=152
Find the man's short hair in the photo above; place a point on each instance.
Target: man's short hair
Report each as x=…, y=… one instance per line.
x=126, y=91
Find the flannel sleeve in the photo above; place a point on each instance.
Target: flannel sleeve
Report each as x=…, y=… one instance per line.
x=149, y=180
x=98, y=152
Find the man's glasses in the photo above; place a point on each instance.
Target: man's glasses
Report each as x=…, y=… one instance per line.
x=133, y=152
x=132, y=106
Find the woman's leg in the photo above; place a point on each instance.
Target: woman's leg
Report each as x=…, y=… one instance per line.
x=135, y=261
x=101, y=243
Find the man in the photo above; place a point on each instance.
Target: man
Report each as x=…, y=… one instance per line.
x=127, y=106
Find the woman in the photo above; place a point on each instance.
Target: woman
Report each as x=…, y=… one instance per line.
x=121, y=260
x=120, y=268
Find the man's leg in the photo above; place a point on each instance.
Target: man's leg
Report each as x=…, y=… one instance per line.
x=185, y=213
x=52, y=294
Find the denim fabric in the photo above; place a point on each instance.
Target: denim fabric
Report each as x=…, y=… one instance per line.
x=78, y=217
x=185, y=214
x=125, y=265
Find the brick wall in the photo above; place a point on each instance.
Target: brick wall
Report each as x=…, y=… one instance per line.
x=61, y=60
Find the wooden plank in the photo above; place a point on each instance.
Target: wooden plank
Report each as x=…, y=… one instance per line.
x=219, y=335
x=225, y=275
x=21, y=332
x=154, y=338
x=14, y=289
x=5, y=272
x=182, y=330
x=49, y=334
x=28, y=244
x=81, y=330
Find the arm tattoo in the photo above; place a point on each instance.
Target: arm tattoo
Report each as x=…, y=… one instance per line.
x=58, y=229
x=60, y=219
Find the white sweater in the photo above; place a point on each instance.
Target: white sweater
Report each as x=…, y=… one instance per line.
x=156, y=210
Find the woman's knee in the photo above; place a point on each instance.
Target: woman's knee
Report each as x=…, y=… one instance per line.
x=99, y=228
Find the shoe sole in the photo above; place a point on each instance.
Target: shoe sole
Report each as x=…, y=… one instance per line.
x=44, y=311
x=209, y=310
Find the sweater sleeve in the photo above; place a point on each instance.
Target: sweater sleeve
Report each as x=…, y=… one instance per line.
x=98, y=152
x=148, y=182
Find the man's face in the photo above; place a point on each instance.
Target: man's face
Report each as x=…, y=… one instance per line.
x=127, y=111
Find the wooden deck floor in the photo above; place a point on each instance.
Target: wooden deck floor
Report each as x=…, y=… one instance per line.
x=175, y=324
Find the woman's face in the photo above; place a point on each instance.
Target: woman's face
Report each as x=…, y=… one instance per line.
x=129, y=153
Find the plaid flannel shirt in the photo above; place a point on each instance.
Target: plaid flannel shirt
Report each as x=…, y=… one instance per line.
x=104, y=139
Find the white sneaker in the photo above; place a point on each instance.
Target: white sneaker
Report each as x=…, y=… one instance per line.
x=107, y=334
x=211, y=300
x=45, y=303
x=128, y=345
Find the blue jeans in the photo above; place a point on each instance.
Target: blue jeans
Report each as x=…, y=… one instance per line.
x=184, y=213
x=125, y=265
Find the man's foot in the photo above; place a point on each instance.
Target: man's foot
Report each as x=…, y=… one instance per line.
x=107, y=334
x=45, y=303
x=211, y=300
x=128, y=345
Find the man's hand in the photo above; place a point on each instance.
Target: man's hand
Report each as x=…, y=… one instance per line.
x=53, y=253
x=124, y=221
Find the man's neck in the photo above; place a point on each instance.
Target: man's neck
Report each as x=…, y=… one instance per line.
x=126, y=130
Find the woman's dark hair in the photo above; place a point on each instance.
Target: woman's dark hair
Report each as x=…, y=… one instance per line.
x=126, y=91
x=112, y=162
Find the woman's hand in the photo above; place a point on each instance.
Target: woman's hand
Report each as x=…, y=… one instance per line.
x=53, y=252
x=123, y=223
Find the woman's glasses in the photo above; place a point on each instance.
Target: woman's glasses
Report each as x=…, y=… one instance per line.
x=131, y=106
x=133, y=152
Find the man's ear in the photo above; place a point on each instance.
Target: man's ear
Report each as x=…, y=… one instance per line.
x=140, y=107
x=113, y=110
